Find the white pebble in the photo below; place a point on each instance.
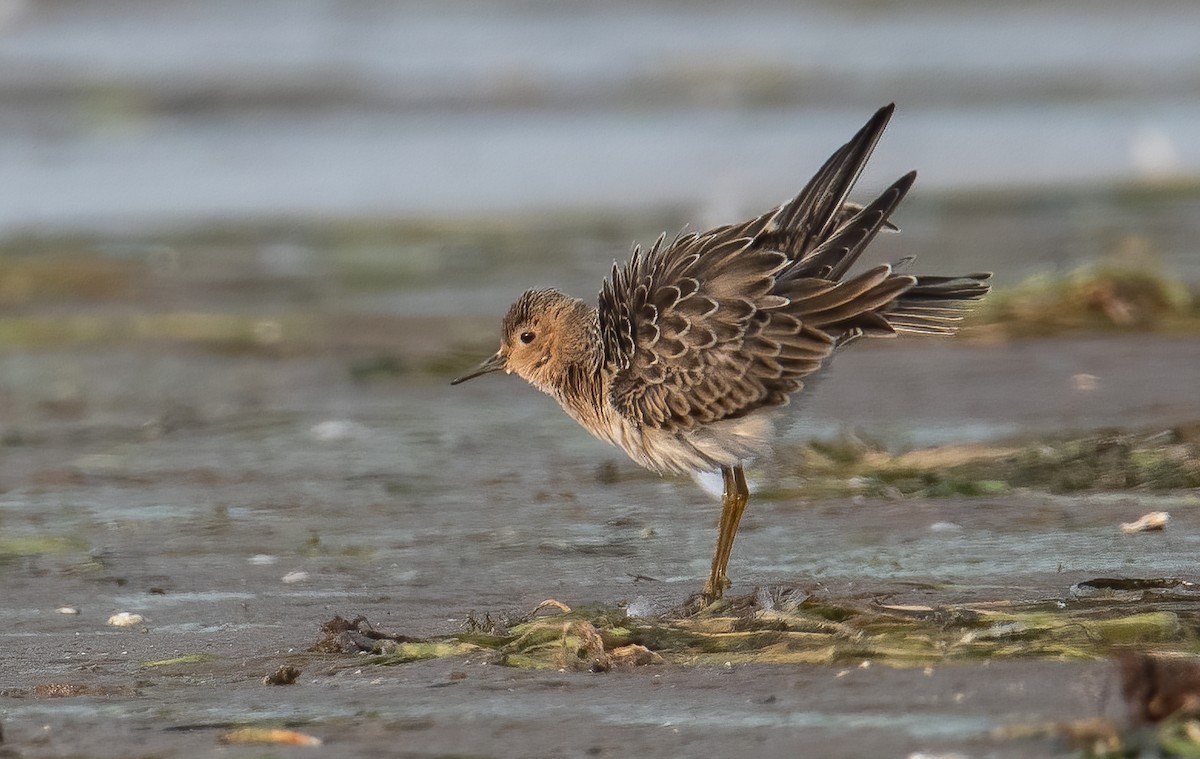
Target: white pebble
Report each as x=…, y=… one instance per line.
x=336, y=429
x=125, y=619
x=1155, y=520
x=945, y=527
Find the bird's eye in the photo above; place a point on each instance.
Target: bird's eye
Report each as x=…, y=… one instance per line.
x=527, y=337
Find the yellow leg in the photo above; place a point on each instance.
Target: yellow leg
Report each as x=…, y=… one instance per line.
x=733, y=503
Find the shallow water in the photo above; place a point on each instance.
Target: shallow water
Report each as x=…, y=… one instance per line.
x=186, y=485
x=185, y=477
x=122, y=114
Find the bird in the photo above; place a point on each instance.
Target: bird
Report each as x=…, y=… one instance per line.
x=695, y=345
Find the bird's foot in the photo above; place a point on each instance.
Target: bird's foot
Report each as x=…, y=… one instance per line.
x=714, y=589
x=696, y=603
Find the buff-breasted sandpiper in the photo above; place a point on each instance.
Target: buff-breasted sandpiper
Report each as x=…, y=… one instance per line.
x=697, y=343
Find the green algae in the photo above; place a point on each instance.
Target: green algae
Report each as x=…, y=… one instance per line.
x=1108, y=461
x=1128, y=290
x=15, y=546
x=1176, y=738
x=186, y=659
x=795, y=628
x=1103, y=461
x=389, y=652
x=219, y=332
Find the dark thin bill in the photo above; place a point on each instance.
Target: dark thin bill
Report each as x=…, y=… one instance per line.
x=493, y=364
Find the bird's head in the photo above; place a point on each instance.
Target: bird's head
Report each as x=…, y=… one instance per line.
x=542, y=333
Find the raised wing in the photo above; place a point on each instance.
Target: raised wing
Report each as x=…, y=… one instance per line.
x=719, y=324
x=695, y=335
x=799, y=226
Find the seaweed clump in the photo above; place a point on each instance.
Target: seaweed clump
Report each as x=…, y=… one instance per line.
x=1113, y=461
x=1128, y=290
x=786, y=625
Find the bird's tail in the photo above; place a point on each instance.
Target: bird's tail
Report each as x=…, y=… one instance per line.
x=936, y=305
x=882, y=303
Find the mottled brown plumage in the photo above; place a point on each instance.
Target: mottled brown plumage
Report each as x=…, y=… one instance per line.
x=695, y=343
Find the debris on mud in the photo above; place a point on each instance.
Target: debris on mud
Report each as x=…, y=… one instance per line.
x=60, y=690
x=1093, y=736
x=1155, y=520
x=1162, y=693
x=70, y=690
x=342, y=636
x=785, y=625
x=1135, y=589
x=285, y=675
x=186, y=659
x=1159, y=686
x=125, y=619
x=1128, y=290
x=488, y=625
x=269, y=735
x=848, y=465
x=550, y=603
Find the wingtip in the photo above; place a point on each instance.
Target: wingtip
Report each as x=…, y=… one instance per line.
x=882, y=116
x=885, y=113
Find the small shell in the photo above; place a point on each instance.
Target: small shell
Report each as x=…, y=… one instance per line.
x=125, y=619
x=1155, y=520
x=268, y=735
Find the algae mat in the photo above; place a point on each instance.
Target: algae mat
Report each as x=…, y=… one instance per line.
x=784, y=625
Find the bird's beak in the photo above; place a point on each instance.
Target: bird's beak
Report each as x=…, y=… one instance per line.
x=493, y=364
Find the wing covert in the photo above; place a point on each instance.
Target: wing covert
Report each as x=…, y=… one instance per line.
x=694, y=333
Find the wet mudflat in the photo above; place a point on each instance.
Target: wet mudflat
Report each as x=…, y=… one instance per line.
x=285, y=492
x=236, y=278
x=239, y=435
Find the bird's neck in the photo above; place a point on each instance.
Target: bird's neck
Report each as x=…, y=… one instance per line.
x=583, y=393
x=578, y=380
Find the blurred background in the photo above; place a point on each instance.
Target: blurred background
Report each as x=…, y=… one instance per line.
x=121, y=116
x=381, y=179
x=245, y=245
